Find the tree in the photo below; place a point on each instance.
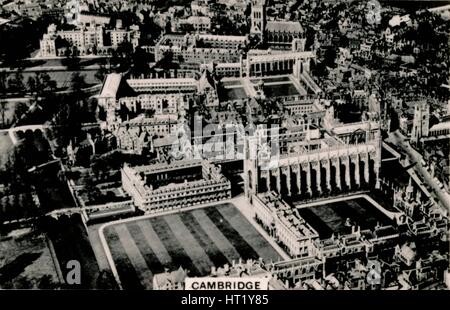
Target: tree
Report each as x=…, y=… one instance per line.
x=77, y=83
x=66, y=122
x=20, y=110
x=71, y=60
x=3, y=108
x=395, y=122
x=15, y=83
x=46, y=282
x=149, y=31
x=14, y=43
x=105, y=281
x=140, y=60
x=31, y=84
x=92, y=191
x=101, y=73
x=3, y=81
x=40, y=84
x=168, y=27
x=330, y=57
x=123, y=54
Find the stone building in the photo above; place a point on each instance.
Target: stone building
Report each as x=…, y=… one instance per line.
x=277, y=34
x=258, y=18
x=176, y=185
x=136, y=136
x=284, y=224
x=187, y=48
x=281, y=34
x=347, y=158
x=87, y=40
x=195, y=23
x=170, y=280
x=421, y=121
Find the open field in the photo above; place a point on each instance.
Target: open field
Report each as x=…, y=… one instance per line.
x=26, y=262
x=63, y=78
x=195, y=240
x=330, y=218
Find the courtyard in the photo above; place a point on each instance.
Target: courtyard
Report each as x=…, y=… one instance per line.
x=331, y=217
x=195, y=240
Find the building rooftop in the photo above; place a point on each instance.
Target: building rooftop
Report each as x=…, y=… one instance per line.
x=441, y=126
x=111, y=85
x=288, y=215
x=173, y=278
x=155, y=168
x=284, y=26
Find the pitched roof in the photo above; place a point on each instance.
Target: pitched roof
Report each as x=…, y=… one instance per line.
x=165, y=141
x=173, y=277
x=284, y=26
x=111, y=85
x=206, y=81
x=441, y=126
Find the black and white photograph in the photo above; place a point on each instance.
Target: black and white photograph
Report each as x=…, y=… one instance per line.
x=224, y=145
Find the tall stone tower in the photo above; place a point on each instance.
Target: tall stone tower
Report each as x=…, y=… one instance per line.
x=258, y=18
x=250, y=167
x=421, y=122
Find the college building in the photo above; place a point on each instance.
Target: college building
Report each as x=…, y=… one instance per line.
x=176, y=185
x=86, y=40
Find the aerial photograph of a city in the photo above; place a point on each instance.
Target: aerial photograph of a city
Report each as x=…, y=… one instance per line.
x=224, y=144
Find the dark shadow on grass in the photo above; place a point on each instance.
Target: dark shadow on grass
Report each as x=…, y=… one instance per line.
x=210, y=248
x=244, y=249
x=127, y=273
x=174, y=247
x=17, y=266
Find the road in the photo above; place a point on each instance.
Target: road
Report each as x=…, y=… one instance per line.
x=399, y=140
x=50, y=68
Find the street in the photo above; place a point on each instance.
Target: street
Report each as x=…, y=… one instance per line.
x=399, y=140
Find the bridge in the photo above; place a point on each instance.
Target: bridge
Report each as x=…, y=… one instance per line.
x=13, y=130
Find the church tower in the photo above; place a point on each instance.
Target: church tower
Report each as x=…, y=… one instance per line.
x=421, y=121
x=258, y=18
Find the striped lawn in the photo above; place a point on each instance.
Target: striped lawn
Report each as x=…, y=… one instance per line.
x=195, y=240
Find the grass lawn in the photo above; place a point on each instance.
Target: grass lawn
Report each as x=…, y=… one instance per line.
x=25, y=263
x=63, y=78
x=280, y=90
x=6, y=145
x=330, y=218
x=195, y=240
x=234, y=93
x=71, y=242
